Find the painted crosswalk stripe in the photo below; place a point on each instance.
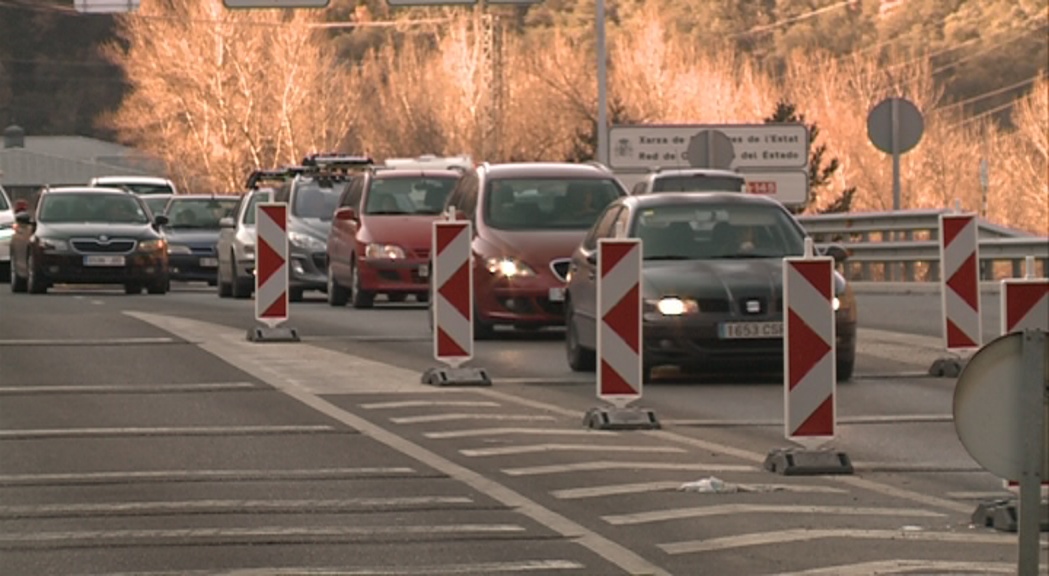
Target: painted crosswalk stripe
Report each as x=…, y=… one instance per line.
x=87, y=341
x=616, y=465
x=909, y=567
x=727, y=509
x=806, y=535
x=129, y=388
x=222, y=506
x=428, y=403
x=432, y=570
x=164, y=431
x=453, y=417
x=485, y=432
x=641, y=487
x=534, y=448
x=158, y=476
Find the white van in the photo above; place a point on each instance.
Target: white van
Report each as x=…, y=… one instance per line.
x=431, y=162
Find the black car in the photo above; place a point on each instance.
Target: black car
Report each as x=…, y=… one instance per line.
x=192, y=233
x=89, y=236
x=712, y=282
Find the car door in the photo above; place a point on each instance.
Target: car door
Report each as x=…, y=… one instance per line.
x=342, y=242
x=583, y=286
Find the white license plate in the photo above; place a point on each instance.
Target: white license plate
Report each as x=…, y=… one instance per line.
x=209, y=262
x=744, y=330
x=98, y=260
x=424, y=271
x=557, y=295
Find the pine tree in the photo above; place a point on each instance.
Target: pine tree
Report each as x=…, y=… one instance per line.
x=819, y=175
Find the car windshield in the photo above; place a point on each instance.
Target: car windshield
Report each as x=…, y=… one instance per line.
x=3, y=202
x=156, y=202
x=699, y=183
x=717, y=231
x=115, y=208
x=203, y=213
x=408, y=195
x=144, y=189
x=547, y=203
x=313, y=201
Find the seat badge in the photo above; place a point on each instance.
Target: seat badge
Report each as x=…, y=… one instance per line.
x=753, y=306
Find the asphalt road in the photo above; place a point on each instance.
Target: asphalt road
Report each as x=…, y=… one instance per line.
x=145, y=435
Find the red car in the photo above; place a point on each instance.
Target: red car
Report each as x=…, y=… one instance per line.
x=528, y=219
x=380, y=238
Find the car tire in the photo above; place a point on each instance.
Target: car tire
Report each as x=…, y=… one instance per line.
x=482, y=330
x=295, y=294
x=18, y=284
x=5, y=271
x=845, y=369
x=240, y=288
x=161, y=286
x=34, y=283
x=338, y=295
x=580, y=358
x=225, y=289
x=132, y=288
x=358, y=298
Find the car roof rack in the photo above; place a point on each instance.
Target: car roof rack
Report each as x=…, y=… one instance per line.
x=274, y=175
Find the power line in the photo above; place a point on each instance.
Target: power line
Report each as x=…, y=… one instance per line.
x=984, y=114
x=986, y=95
x=791, y=19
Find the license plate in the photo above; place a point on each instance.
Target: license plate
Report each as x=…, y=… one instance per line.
x=209, y=262
x=424, y=271
x=98, y=260
x=745, y=330
x=557, y=295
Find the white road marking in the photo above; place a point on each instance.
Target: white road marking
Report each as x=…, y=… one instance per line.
x=914, y=467
x=87, y=341
x=523, y=431
x=531, y=449
x=617, y=465
x=843, y=420
x=726, y=509
x=805, y=535
x=127, y=388
x=451, y=417
x=616, y=489
x=201, y=476
x=161, y=431
x=547, y=381
x=908, y=567
x=981, y=495
x=432, y=570
x=429, y=403
x=224, y=506
x=228, y=345
x=97, y=302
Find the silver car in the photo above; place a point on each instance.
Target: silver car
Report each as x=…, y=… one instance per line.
x=7, y=222
x=236, y=246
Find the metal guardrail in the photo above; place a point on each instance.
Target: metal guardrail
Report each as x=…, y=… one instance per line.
x=904, y=246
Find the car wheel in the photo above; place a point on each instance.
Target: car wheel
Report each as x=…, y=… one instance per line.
x=295, y=294
x=160, y=286
x=18, y=284
x=359, y=298
x=225, y=289
x=241, y=287
x=845, y=368
x=482, y=330
x=580, y=358
x=35, y=284
x=337, y=294
x=132, y=288
x=5, y=271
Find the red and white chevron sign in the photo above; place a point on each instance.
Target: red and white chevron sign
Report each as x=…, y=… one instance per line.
x=1025, y=304
x=809, y=371
x=453, y=337
x=960, y=281
x=619, y=379
x=271, y=263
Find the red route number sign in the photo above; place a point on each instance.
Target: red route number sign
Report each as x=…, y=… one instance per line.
x=761, y=187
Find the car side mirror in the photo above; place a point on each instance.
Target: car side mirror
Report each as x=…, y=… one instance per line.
x=837, y=252
x=591, y=257
x=161, y=220
x=226, y=222
x=346, y=214
x=24, y=218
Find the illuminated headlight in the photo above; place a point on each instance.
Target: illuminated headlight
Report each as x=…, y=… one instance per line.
x=835, y=303
x=178, y=249
x=53, y=244
x=673, y=306
x=152, y=245
x=508, y=267
x=383, y=251
x=306, y=241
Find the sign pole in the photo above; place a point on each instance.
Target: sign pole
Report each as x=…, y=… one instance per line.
x=602, y=85
x=1033, y=420
x=895, y=154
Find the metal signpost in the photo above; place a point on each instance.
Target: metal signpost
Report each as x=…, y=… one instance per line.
x=106, y=6
x=895, y=126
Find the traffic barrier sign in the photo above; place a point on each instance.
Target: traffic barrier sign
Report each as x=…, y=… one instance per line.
x=271, y=273
x=619, y=337
x=960, y=281
x=453, y=304
x=809, y=371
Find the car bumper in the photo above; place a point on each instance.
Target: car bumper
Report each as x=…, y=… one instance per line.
x=528, y=302
x=5, y=249
x=70, y=269
x=193, y=267
x=407, y=276
x=308, y=270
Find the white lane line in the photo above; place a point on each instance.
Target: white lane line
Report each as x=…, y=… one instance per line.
x=534, y=448
x=616, y=465
x=162, y=431
x=981, y=495
x=429, y=403
x=202, y=476
x=726, y=509
x=617, y=489
x=97, y=302
x=522, y=431
x=216, y=506
x=128, y=388
x=843, y=420
x=432, y=570
x=200, y=535
x=453, y=417
x=909, y=567
x=548, y=381
x=914, y=467
x=86, y=341
x=807, y=535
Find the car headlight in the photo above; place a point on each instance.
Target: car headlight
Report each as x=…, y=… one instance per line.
x=508, y=267
x=53, y=244
x=178, y=249
x=674, y=306
x=835, y=303
x=152, y=245
x=306, y=241
x=383, y=251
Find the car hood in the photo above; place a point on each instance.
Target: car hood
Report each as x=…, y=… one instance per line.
x=411, y=231
x=311, y=226
x=87, y=229
x=534, y=247
x=6, y=216
x=730, y=279
x=192, y=237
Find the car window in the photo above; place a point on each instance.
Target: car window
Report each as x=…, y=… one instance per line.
x=203, y=213
x=144, y=189
x=547, y=203
x=316, y=202
x=256, y=197
x=699, y=183
x=114, y=208
x=602, y=228
x=408, y=195
x=156, y=203
x=690, y=231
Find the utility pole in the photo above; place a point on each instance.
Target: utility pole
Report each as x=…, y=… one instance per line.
x=492, y=77
x=602, y=84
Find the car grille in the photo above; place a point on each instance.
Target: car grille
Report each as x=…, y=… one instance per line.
x=560, y=268
x=202, y=250
x=713, y=304
x=120, y=246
